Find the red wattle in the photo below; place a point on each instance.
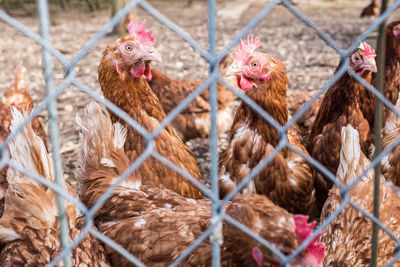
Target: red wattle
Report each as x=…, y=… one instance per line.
x=257, y=255
x=138, y=70
x=244, y=83
x=115, y=63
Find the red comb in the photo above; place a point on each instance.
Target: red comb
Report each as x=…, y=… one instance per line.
x=139, y=32
x=368, y=50
x=245, y=49
x=304, y=230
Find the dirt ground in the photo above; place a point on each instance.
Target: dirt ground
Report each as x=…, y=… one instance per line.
x=309, y=61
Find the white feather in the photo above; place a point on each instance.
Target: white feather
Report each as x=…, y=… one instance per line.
x=8, y=234
x=119, y=135
x=107, y=162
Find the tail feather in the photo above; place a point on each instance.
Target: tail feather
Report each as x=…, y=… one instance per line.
x=96, y=137
x=28, y=143
x=17, y=95
x=352, y=161
x=19, y=80
x=102, y=154
x=26, y=198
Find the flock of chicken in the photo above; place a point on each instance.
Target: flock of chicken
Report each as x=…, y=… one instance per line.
x=156, y=214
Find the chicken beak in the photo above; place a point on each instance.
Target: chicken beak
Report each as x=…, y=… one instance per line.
x=149, y=54
x=233, y=70
x=370, y=64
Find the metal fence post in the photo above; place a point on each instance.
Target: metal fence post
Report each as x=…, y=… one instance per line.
x=43, y=12
x=216, y=236
x=380, y=79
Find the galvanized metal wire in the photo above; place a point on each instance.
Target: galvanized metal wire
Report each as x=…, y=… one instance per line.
x=43, y=12
x=218, y=215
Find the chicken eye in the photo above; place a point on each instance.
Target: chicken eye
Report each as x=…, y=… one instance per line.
x=128, y=48
x=255, y=64
x=356, y=58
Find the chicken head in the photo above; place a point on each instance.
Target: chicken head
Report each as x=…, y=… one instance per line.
x=131, y=52
x=393, y=37
x=313, y=255
x=362, y=60
x=250, y=67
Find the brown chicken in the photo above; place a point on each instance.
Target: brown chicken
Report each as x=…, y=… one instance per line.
x=29, y=226
x=287, y=179
x=17, y=95
x=194, y=121
x=391, y=162
x=348, y=237
x=347, y=101
x=157, y=225
x=392, y=64
x=371, y=10
x=121, y=72
x=296, y=99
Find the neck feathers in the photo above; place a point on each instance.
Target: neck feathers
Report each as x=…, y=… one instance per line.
x=133, y=95
x=270, y=96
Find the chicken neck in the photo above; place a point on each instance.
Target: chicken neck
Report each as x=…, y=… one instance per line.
x=270, y=96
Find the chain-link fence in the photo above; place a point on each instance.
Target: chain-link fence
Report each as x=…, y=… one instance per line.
x=213, y=59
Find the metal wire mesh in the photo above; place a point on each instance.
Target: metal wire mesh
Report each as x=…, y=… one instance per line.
x=213, y=58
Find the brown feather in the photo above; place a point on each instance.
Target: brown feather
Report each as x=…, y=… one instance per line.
x=392, y=66
x=194, y=120
x=252, y=139
x=371, y=10
x=348, y=236
x=136, y=98
x=349, y=102
x=29, y=226
x=18, y=96
x=346, y=102
x=157, y=225
x=296, y=99
x=391, y=162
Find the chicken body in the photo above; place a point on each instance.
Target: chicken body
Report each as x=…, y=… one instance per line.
x=122, y=85
x=296, y=99
x=157, y=225
x=392, y=64
x=348, y=236
x=194, y=121
x=287, y=179
x=346, y=102
x=390, y=133
x=17, y=95
x=371, y=10
x=390, y=163
x=29, y=226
